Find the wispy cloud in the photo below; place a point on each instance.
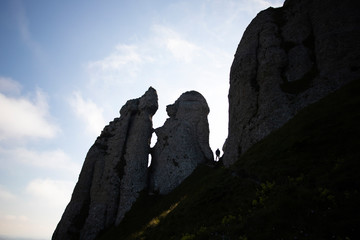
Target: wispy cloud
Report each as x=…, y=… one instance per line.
x=127, y=62
x=34, y=211
x=88, y=112
x=54, y=159
x=123, y=65
x=178, y=46
x=20, y=226
x=22, y=117
x=51, y=191
x=6, y=195
x=251, y=6
x=10, y=224
x=24, y=30
x=9, y=86
x=123, y=55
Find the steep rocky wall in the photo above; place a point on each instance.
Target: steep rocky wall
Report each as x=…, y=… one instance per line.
x=288, y=58
x=183, y=143
x=113, y=174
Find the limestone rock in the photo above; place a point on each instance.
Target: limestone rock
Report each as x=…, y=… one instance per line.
x=182, y=143
x=288, y=58
x=114, y=172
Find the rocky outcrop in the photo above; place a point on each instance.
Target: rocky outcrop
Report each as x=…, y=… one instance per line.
x=114, y=172
x=116, y=167
x=183, y=143
x=288, y=58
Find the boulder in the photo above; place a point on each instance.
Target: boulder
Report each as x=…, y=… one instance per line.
x=114, y=172
x=182, y=143
x=288, y=58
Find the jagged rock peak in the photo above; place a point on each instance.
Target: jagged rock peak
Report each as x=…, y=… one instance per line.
x=183, y=143
x=288, y=58
x=148, y=102
x=114, y=172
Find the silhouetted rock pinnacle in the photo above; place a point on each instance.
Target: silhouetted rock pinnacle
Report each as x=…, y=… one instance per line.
x=114, y=172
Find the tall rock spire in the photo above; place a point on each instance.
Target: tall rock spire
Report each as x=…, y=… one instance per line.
x=114, y=172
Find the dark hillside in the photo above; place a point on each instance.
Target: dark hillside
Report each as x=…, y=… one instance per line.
x=300, y=182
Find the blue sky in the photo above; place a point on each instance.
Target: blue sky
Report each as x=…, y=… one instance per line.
x=67, y=67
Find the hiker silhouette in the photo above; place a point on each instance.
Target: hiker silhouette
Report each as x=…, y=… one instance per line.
x=217, y=153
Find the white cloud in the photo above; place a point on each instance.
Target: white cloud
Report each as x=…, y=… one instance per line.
x=136, y=62
x=21, y=117
x=268, y=3
x=8, y=85
x=11, y=224
x=179, y=47
x=53, y=192
x=55, y=159
x=23, y=227
x=16, y=218
x=89, y=113
x=253, y=6
x=35, y=212
x=123, y=64
x=127, y=63
x=124, y=55
x=5, y=194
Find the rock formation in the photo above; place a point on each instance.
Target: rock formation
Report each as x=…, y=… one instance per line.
x=116, y=167
x=288, y=58
x=114, y=172
x=182, y=143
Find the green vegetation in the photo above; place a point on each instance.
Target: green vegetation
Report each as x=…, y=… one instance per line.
x=301, y=182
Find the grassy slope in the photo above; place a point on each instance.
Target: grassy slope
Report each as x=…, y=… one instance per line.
x=301, y=182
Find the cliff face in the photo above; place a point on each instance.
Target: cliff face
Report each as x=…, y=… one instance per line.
x=114, y=172
x=288, y=58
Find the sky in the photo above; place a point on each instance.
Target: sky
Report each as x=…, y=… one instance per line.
x=66, y=69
